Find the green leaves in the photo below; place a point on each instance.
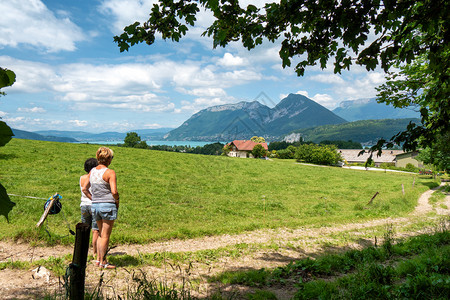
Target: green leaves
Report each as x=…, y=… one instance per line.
x=5, y=134
x=318, y=154
x=323, y=30
x=7, y=78
x=6, y=204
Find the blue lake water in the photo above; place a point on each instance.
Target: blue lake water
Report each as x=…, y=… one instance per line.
x=154, y=143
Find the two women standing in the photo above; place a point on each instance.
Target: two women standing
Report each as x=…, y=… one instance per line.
x=101, y=188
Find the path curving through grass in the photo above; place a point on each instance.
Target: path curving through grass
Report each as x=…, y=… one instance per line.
x=266, y=248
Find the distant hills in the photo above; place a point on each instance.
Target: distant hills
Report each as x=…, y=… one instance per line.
x=86, y=137
x=246, y=119
x=111, y=136
x=370, y=109
x=295, y=113
x=363, y=131
x=21, y=134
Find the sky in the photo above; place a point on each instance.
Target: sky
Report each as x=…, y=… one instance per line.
x=72, y=76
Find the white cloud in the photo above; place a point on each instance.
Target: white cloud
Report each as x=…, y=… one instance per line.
x=2, y=114
x=79, y=123
x=325, y=100
x=131, y=86
x=202, y=103
x=328, y=78
x=76, y=97
x=322, y=99
x=31, y=110
x=229, y=60
x=304, y=93
x=204, y=92
x=153, y=126
x=14, y=122
x=163, y=107
x=126, y=12
x=30, y=22
x=242, y=76
x=31, y=77
x=363, y=86
x=16, y=119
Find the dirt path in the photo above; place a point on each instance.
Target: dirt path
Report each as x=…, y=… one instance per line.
x=292, y=244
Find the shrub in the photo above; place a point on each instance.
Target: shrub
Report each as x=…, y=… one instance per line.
x=386, y=165
x=258, y=151
x=318, y=154
x=285, y=154
x=411, y=168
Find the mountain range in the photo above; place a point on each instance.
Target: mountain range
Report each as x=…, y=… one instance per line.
x=246, y=119
x=86, y=137
x=370, y=109
x=362, y=131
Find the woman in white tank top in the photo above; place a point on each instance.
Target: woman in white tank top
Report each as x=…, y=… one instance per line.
x=105, y=201
x=86, y=206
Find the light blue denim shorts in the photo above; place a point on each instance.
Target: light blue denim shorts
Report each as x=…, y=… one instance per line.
x=104, y=211
x=86, y=216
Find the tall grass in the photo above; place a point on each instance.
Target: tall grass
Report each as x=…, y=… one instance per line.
x=414, y=268
x=176, y=195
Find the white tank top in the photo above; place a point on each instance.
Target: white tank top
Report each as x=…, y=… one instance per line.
x=100, y=189
x=84, y=200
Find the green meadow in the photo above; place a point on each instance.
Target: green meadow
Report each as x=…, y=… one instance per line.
x=167, y=195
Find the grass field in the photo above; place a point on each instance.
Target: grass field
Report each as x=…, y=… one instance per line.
x=176, y=195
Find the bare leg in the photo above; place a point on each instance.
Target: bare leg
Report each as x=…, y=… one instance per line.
x=94, y=242
x=105, y=228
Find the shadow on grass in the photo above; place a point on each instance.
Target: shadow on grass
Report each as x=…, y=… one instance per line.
x=7, y=156
x=431, y=184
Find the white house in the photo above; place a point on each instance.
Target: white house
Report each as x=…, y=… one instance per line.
x=242, y=148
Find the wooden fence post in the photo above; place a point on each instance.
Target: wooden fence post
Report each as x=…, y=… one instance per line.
x=370, y=202
x=78, y=265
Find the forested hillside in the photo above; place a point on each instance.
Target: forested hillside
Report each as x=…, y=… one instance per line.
x=364, y=131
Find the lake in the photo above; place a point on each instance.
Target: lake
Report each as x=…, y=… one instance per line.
x=154, y=143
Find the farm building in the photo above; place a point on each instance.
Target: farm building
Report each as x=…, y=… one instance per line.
x=243, y=148
x=387, y=156
x=403, y=159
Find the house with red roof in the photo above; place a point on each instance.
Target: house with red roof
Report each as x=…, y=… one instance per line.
x=243, y=148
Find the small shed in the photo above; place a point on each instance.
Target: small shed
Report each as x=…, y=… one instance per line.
x=405, y=158
x=243, y=148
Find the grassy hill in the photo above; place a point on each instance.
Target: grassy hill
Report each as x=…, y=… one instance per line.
x=176, y=195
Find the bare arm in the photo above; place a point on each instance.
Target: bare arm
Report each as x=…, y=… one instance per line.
x=85, y=184
x=110, y=177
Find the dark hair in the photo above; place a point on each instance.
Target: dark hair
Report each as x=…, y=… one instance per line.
x=89, y=164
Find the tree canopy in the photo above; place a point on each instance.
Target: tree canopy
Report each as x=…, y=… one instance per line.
x=258, y=139
x=368, y=33
x=132, y=140
x=259, y=151
x=7, y=78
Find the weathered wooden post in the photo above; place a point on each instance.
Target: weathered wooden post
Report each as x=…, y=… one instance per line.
x=403, y=189
x=78, y=265
x=370, y=202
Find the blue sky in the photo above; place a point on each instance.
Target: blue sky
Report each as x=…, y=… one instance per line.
x=72, y=76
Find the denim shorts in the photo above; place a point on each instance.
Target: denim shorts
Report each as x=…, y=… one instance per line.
x=104, y=211
x=86, y=216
